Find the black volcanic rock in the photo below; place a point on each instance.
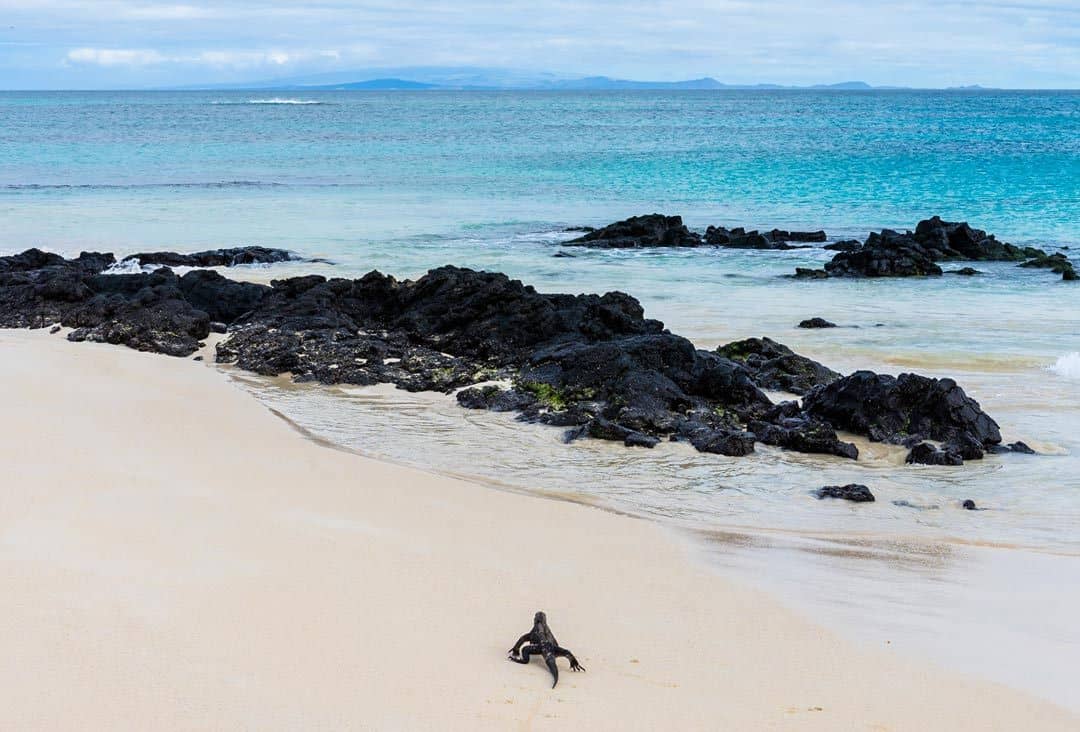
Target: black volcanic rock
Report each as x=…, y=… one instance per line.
x=926, y=454
x=855, y=492
x=805, y=273
x=224, y=300
x=816, y=323
x=636, y=232
x=949, y=240
x=885, y=254
x=891, y=253
x=799, y=236
x=213, y=258
x=776, y=367
x=590, y=362
x=965, y=272
x=789, y=427
x=847, y=245
x=905, y=410
x=495, y=399
x=1057, y=263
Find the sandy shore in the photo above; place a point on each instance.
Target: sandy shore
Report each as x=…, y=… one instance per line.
x=173, y=556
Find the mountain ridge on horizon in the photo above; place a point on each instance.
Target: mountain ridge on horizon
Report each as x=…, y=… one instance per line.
x=421, y=78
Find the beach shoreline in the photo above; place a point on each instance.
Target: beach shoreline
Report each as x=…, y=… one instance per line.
x=175, y=557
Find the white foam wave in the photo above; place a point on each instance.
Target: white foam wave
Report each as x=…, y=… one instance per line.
x=1068, y=366
x=281, y=100
x=132, y=266
x=127, y=266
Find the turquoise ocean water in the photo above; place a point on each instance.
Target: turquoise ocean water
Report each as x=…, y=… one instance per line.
x=405, y=181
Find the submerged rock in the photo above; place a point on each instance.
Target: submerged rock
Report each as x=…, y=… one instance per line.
x=214, y=257
x=847, y=245
x=926, y=454
x=816, y=323
x=965, y=272
x=1057, y=263
x=651, y=230
x=855, y=492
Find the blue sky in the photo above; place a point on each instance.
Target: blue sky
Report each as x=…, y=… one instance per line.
x=137, y=43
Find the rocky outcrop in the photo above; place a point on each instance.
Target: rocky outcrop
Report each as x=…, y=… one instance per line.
x=775, y=367
x=905, y=410
x=891, y=253
x=950, y=240
x=885, y=254
x=636, y=232
x=213, y=258
x=593, y=364
x=740, y=238
x=657, y=230
x=854, y=492
x=1057, y=263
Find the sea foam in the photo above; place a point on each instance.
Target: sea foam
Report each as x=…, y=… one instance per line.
x=280, y=100
x=1068, y=366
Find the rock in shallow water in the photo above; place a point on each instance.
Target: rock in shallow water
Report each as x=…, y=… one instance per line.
x=213, y=258
x=891, y=253
x=651, y=230
x=816, y=323
x=905, y=410
x=855, y=492
x=926, y=454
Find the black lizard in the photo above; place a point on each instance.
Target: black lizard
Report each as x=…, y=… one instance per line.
x=542, y=642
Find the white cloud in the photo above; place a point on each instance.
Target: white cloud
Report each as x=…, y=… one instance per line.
x=115, y=56
x=225, y=58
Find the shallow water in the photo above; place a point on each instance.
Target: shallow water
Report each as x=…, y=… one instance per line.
x=403, y=182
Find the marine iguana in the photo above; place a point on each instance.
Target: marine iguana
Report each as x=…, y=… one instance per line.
x=542, y=642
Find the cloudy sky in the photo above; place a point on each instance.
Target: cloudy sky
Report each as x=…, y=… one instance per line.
x=138, y=43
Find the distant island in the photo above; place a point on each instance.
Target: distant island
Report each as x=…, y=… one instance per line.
x=495, y=79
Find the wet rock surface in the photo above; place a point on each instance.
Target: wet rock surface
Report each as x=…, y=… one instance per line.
x=214, y=257
x=593, y=364
x=854, y=492
x=658, y=230
x=816, y=323
x=776, y=367
x=889, y=253
x=906, y=410
x=1057, y=263
x=651, y=230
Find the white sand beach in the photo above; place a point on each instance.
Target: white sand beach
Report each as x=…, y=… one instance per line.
x=174, y=556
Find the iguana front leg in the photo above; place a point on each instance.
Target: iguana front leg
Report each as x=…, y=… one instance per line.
x=520, y=642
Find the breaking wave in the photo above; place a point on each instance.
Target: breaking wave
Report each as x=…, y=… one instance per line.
x=280, y=100
x=1068, y=366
